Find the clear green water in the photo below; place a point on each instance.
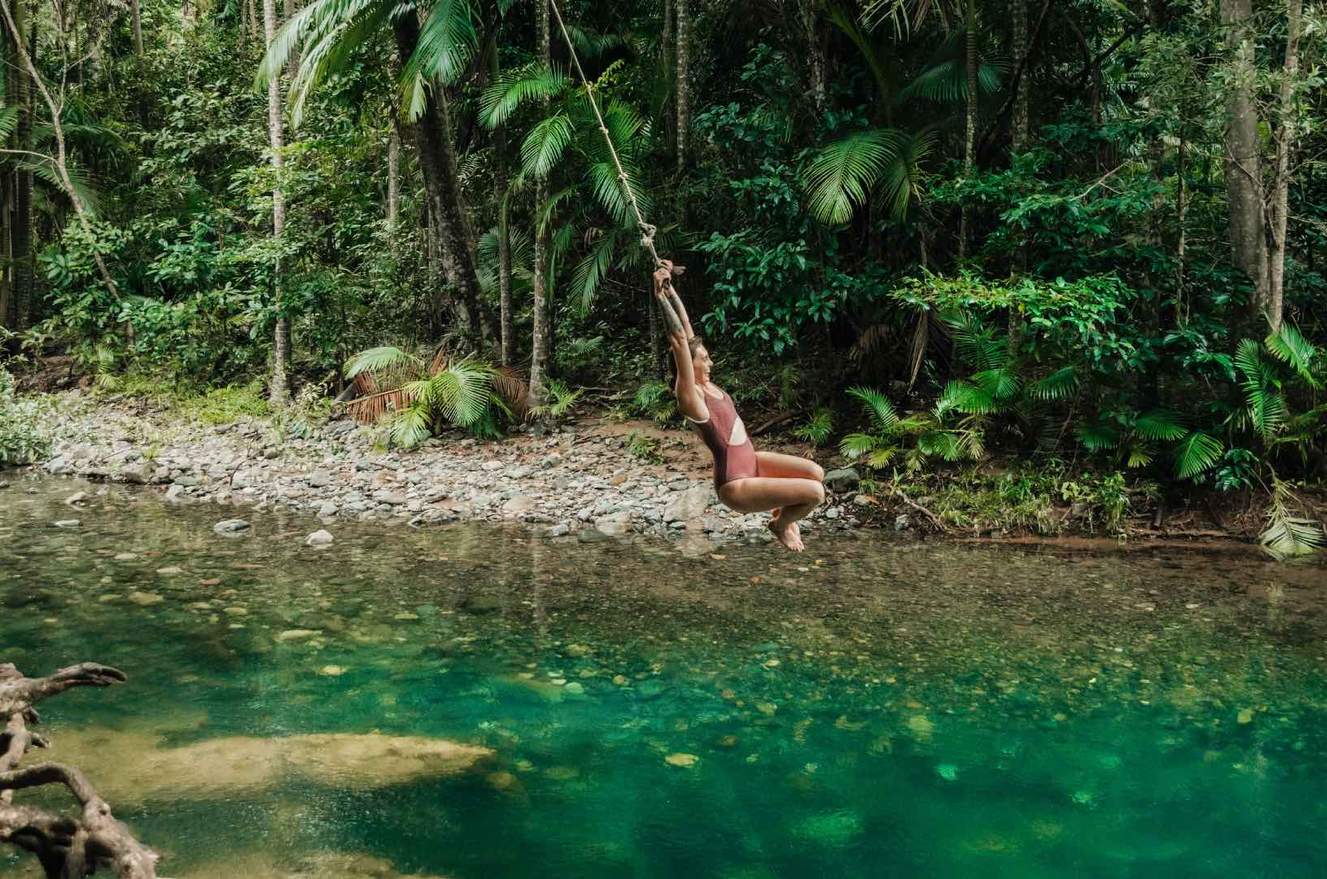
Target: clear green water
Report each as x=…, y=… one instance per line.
x=866, y=709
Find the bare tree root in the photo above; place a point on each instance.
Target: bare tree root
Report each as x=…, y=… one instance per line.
x=66, y=847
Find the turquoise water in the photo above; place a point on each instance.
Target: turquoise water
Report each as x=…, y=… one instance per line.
x=866, y=709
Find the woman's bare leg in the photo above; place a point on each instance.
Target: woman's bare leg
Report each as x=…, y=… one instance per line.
x=788, y=467
x=782, y=466
x=794, y=498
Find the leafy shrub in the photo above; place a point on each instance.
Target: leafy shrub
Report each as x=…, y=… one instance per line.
x=21, y=439
x=644, y=448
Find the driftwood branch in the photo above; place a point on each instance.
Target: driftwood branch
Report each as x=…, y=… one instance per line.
x=66, y=847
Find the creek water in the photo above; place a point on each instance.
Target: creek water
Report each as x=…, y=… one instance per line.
x=868, y=708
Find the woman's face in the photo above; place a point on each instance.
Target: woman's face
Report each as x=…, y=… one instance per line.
x=701, y=363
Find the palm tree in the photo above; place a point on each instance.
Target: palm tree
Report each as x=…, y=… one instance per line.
x=885, y=161
x=955, y=16
x=566, y=137
x=432, y=55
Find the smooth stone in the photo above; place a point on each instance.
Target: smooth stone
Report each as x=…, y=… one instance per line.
x=321, y=537
x=684, y=761
x=297, y=635
x=145, y=599
x=231, y=527
x=67, y=523
x=76, y=498
x=843, y=479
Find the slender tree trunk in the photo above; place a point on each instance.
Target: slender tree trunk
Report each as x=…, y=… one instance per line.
x=393, y=176
x=683, y=14
x=24, y=258
x=1182, y=242
x=815, y=51
x=667, y=52
x=437, y=164
x=970, y=122
x=1243, y=168
x=252, y=7
x=1019, y=123
x=507, y=340
x=279, y=389
x=1285, y=144
x=539, y=352
x=137, y=16
x=6, y=251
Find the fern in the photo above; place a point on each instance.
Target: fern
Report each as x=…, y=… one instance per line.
x=1059, y=385
x=1289, y=346
x=817, y=430
x=1159, y=426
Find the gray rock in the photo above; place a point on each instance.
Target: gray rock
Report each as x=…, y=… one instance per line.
x=614, y=524
x=518, y=505
x=902, y=522
x=321, y=537
x=690, y=504
x=844, y=479
x=557, y=530
x=76, y=498
x=327, y=510
x=231, y=527
x=175, y=494
x=58, y=466
x=67, y=523
x=832, y=513
x=319, y=479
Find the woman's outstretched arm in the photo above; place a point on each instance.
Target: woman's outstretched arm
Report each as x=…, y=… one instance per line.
x=664, y=278
x=690, y=400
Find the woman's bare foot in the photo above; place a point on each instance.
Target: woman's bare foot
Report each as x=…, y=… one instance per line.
x=788, y=534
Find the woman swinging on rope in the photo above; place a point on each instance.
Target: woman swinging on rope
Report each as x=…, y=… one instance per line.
x=747, y=481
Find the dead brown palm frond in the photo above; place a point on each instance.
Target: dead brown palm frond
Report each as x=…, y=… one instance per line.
x=918, y=350
x=511, y=385
x=371, y=408
x=871, y=338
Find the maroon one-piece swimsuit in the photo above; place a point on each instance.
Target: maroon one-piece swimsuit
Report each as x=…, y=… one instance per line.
x=732, y=460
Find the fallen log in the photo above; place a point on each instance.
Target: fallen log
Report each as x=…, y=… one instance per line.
x=67, y=847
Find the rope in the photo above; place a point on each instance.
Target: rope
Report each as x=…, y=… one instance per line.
x=646, y=230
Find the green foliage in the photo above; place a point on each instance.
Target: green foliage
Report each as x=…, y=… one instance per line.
x=818, y=429
x=559, y=399
x=644, y=448
x=654, y=399
x=22, y=439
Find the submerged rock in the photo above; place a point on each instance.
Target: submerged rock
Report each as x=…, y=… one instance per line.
x=231, y=527
x=134, y=767
x=319, y=538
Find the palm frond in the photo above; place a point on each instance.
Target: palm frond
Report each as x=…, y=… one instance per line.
x=513, y=88
x=1287, y=535
x=609, y=193
x=841, y=173
x=592, y=269
x=854, y=445
x=1097, y=437
x=976, y=342
x=8, y=121
x=883, y=415
x=1289, y=346
x=1059, y=385
x=1197, y=453
x=447, y=42
x=1160, y=425
x=411, y=425
x=965, y=397
x=461, y=391
x=384, y=360
x=543, y=147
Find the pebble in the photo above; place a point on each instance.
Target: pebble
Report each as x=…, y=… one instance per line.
x=145, y=599
x=67, y=523
x=231, y=527
x=319, y=538
x=685, y=761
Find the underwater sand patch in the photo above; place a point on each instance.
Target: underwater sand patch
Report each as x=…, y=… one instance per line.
x=325, y=865
x=136, y=766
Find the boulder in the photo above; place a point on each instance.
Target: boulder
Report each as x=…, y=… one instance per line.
x=518, y=505
x=844, y=479
x=614, y=524
x=690, y=503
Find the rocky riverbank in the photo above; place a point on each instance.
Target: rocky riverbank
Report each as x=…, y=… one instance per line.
x=594, y=479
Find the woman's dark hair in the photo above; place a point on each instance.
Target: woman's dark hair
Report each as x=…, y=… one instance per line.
x=694, y=343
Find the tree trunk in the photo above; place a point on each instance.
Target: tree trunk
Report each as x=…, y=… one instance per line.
x=683, y=14
x=1243, y=168
x=539, y=352
x=667, y=52
x=815, y=51
x=437, y=164
x=507, y=340
x=252, y=6
x=970, y=120
x=24, y=258
x=1285, y=144
x=393, y=176
x=1019, y=122
x=279, y=389
x=136, y=14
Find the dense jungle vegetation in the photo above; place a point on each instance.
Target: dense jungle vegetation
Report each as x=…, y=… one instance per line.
x=921, y=232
